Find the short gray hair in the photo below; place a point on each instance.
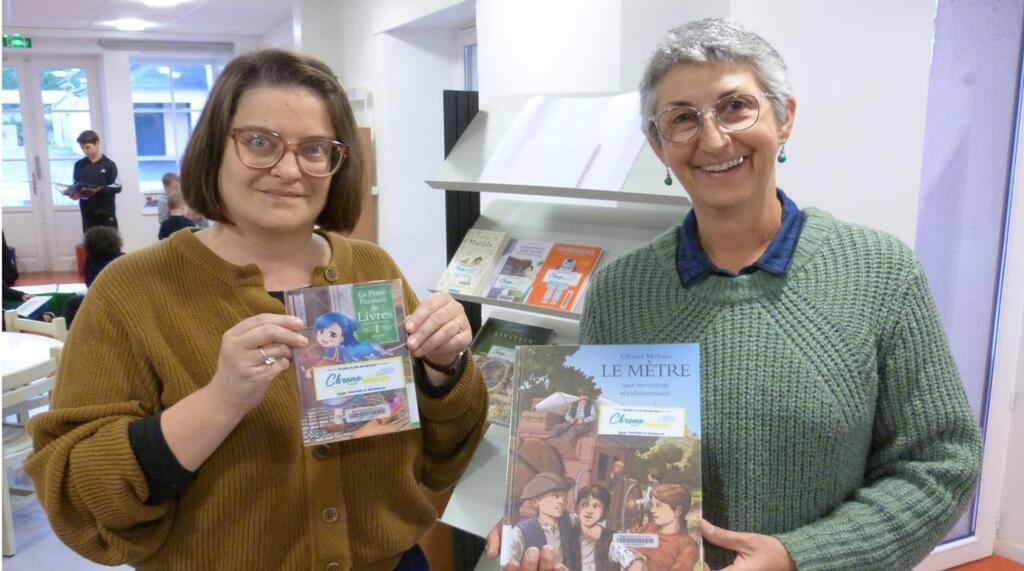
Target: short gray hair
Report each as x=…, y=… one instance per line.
x=713, y=40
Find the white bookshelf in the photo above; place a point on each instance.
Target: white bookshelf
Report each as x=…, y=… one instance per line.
x=463, y=168
x=617, y=221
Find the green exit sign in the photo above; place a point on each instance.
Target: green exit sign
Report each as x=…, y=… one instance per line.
x=17, y=41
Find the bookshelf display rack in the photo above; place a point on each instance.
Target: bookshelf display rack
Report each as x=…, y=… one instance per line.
x=618, y=221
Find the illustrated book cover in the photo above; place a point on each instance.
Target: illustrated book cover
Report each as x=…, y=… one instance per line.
x=494, y=350
x=472, y=263
x=563, y=277
x=513, y=277
x=604, y=448
x=355, y=376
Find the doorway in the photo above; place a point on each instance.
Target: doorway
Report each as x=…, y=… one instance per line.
x=47, y=102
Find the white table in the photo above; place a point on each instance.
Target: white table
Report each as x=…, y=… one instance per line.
x=22, y=351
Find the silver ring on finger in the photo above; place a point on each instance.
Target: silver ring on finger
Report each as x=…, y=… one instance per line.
x=267, y=359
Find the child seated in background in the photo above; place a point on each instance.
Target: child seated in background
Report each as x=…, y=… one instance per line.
x=102, y=246
x=176, y=219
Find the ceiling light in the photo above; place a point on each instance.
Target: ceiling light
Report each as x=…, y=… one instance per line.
x=130, y=24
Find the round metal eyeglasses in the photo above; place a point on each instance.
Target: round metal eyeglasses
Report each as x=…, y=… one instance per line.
x=262, y=149
x=733, y=112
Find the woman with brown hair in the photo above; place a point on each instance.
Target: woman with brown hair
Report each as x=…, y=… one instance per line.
x=174, y=439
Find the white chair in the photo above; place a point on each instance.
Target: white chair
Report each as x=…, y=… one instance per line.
x=25, y=386
x=57, y=329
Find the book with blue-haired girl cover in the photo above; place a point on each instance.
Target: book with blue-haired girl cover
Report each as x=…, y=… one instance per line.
x=355, y=377
x=604, y=456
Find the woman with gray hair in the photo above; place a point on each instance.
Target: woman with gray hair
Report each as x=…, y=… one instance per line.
x=837, y=434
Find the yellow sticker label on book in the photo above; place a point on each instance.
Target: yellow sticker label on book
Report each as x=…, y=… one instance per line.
x=360, y=377
x=641, y=421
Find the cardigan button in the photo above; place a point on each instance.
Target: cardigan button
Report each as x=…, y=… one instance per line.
x=333, y=566
x=321, y=452
x=330, y=515
x=331, y=274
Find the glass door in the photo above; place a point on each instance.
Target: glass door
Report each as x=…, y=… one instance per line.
x=47, y=102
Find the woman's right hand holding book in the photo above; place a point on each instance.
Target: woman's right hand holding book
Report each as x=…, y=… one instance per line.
x=252, y=353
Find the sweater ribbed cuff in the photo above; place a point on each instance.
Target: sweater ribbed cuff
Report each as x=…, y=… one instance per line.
x=435, y=392
x=459, y=398
x=165, y=476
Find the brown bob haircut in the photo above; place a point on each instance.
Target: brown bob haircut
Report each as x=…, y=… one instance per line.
x=200, y=167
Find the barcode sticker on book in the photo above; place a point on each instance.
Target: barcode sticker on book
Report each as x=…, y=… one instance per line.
x=365, y=413
x=636, y=539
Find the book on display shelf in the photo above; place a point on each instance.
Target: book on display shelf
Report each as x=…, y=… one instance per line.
x=514, y=274
x=563, y=277
x=494, y=350
x=355, y=377
x=605, y=449
x=472, y=263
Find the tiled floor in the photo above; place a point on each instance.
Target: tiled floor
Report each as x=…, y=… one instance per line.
x=37, y=546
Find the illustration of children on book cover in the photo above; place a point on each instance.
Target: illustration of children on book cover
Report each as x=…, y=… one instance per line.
x=604, y=457
x=355, y=376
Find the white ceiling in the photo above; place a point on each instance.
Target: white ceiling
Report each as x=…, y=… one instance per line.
x=229, y=17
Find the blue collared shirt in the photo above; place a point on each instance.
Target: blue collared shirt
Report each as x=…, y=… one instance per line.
x=692, y=263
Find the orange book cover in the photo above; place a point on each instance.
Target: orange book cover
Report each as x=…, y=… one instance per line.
x=561, y=280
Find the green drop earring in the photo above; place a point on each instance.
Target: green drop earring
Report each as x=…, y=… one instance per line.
x=782, y=153
x=668, y=177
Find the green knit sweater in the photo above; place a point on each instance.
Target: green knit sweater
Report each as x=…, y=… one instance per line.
x=832, y=413
x=148, y=335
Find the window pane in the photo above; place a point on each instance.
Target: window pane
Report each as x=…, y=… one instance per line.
x=62, y=129
x=191, y=84
x=182, y=131
x=15, y=190
x=14, y=137
x=62, y=171
x=168, y=99
x=11, y=96
x=152, y=171
x=469, y=62
x=150, y=135
x=148, y=77
x=64, y=89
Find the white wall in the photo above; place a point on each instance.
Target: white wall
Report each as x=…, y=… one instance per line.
x=315, y=30
x=857, y=143
x=644, y=23
x=392, y=14
x=281, y=36
x=539, y=46
x=136, y=230
x=416, y=66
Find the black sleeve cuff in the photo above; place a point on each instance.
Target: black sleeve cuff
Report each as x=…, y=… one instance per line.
x=165, y=476
x=420, y=373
